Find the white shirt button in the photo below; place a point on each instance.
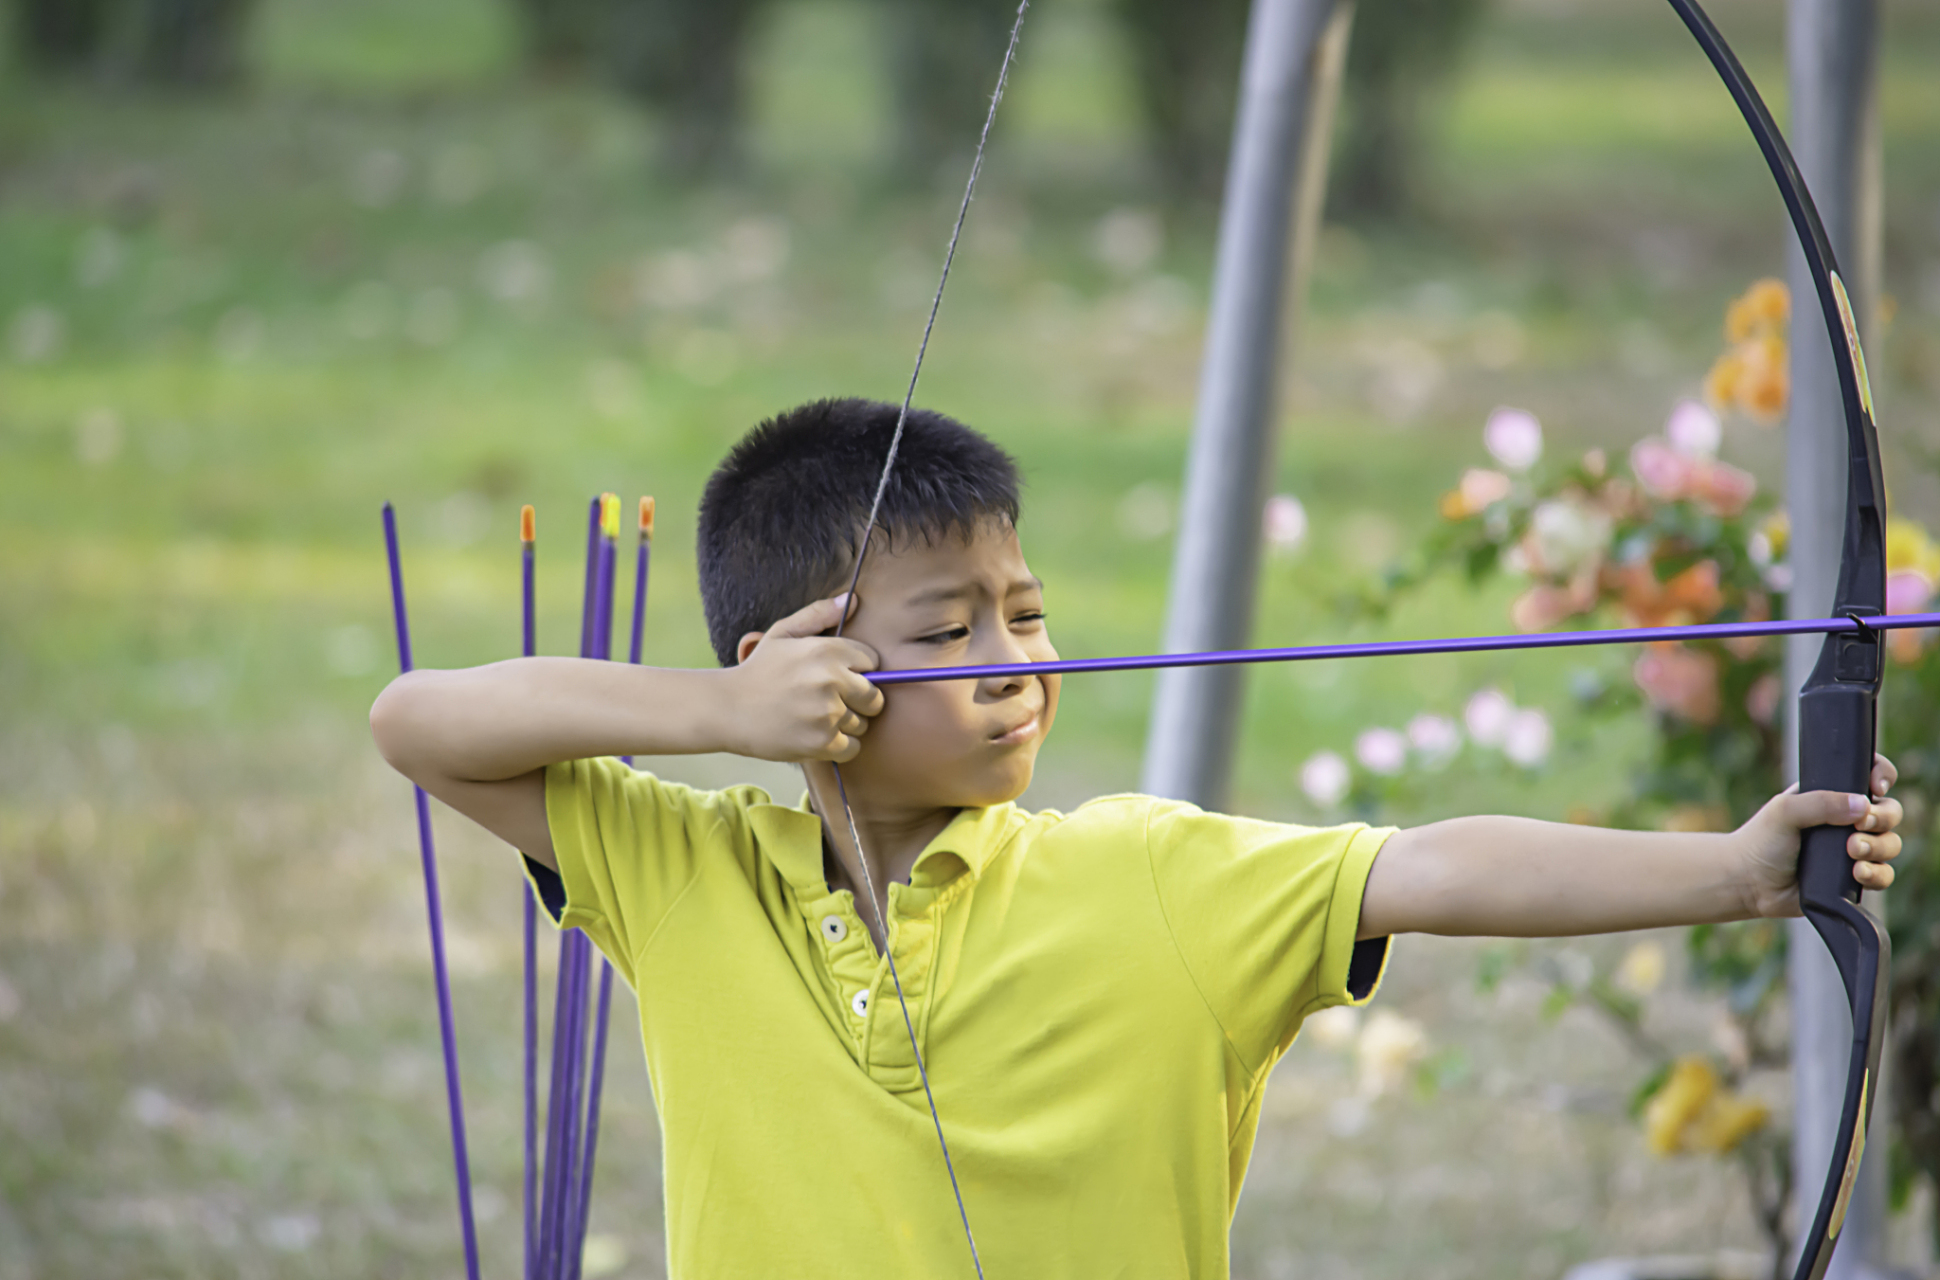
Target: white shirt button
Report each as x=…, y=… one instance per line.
x=860, y=1003
x=833, y=929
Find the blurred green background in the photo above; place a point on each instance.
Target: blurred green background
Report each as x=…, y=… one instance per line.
x=384, y=252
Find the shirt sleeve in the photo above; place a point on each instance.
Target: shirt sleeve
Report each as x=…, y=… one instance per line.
x=1264, y=916
x=628, y=845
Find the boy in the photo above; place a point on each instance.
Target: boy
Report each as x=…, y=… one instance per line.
x=1098, y=996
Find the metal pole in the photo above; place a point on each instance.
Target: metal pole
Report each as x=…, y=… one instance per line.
x=1831, y=49
x=1274, y=185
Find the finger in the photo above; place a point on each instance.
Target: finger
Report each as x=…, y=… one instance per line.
x=857, y=656
x=811, y=619
x=1825, y=808
x=1873, y=848
x=1881, y=815
x=1885, y=774
x=845, y=748
x=861, y=697
x=853, y=725
x=1873, y=875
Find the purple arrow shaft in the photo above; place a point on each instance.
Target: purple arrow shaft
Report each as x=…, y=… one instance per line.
x=1390, y=648
x=434, y=910
x=529, y=920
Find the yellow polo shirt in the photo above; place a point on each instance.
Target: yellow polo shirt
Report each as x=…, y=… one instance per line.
x=1099, y=997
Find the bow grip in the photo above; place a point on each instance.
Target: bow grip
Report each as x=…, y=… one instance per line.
x=1837, y=723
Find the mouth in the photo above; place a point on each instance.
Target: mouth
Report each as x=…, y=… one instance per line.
x=1016, y=736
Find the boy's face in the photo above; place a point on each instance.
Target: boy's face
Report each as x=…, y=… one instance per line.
x=955, y=743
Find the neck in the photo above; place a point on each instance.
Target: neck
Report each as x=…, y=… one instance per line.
x=893, y=836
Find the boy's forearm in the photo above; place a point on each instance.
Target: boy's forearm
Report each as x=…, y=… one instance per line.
x=1517, y=877
x=487, y=724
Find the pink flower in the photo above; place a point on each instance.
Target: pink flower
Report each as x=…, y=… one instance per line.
x=1693, y=430
x=1513, y=438
x=1722, y=487
x=1761, y=702
x=1435, y=738
x=1382, y=751
x=1529, y=738
x=1325, y=778
x=1284, y=522
x=1663, y=471
x=1679, y=681
x=1541, y=607
x=1487, y=716
x=1907, y=591
x=1478, y=491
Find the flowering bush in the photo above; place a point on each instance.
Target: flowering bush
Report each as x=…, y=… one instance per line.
x=1680, y=536
x=1672, y=535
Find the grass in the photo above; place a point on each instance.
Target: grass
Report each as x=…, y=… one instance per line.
x=391, y=269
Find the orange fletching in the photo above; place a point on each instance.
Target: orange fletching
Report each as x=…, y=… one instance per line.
x=646, y=518
x=528, y=524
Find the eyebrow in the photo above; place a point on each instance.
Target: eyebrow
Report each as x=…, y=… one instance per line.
x=941, y=595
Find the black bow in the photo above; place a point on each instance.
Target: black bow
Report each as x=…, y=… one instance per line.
x=1838, y=705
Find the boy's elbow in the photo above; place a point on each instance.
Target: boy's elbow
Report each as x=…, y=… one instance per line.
x=396, y=719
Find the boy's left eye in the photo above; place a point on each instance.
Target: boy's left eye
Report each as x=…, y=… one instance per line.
x=946, y=637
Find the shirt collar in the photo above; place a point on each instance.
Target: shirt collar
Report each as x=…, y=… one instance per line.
x=791, y=838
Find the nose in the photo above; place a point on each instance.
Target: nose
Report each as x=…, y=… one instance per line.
x=996, y=646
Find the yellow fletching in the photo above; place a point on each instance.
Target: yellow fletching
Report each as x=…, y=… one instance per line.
x=610, y=515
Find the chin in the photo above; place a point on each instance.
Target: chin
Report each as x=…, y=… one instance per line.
x=1001, y=790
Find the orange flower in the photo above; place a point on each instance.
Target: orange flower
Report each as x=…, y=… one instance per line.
x=1691, y=596
x=1752, y=375
x=1766, y=306
x=1765, y=385
x=1722, y=383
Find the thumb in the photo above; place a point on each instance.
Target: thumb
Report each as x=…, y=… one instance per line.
x=1824, y=808
x=812, y=619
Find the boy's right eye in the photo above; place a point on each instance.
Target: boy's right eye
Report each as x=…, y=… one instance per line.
x=946, y=637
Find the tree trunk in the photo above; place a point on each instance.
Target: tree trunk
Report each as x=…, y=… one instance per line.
x=560, y=35
x=191, y=43
x=684, y=58
x=59, y=35
x=1187, y=59
x=944, y=56
x=1403, y=52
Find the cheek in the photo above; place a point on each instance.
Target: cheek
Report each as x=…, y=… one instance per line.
x=916, y=724
x=1053, y=689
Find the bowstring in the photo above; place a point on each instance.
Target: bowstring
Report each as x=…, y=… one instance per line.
x=862, y=554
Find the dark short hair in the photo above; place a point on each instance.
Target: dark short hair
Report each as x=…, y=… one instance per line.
x=781, y=518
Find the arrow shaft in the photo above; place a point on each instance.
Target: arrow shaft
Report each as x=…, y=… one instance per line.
x=1395, y=648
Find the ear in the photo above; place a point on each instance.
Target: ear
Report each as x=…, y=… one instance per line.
x=746, y=645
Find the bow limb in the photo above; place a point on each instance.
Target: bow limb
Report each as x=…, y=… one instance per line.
x=1838, y=705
